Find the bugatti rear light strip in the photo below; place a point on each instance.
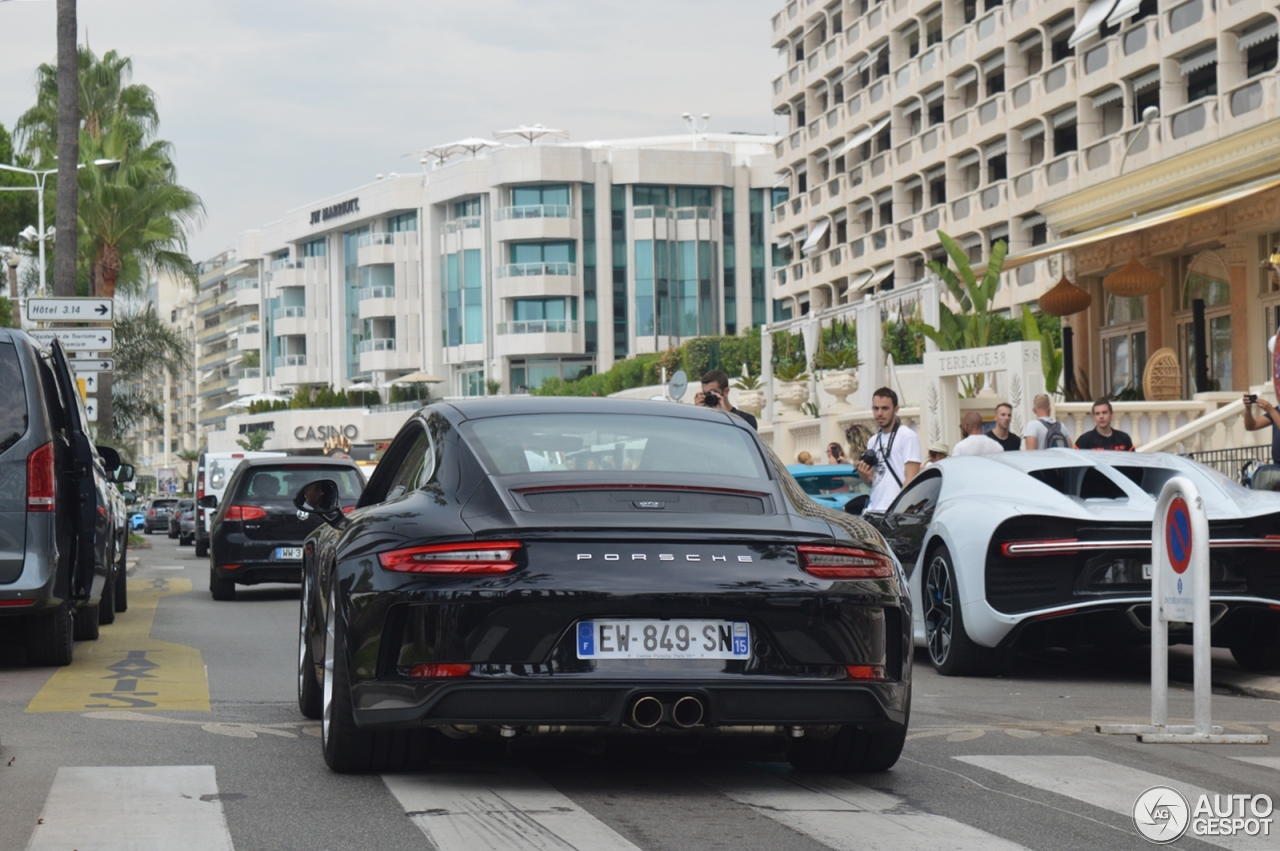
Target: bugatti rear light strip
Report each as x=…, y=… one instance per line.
x=1073, y=546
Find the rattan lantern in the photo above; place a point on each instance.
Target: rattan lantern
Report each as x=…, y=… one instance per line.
x=1065, y=299
x=1133, y=280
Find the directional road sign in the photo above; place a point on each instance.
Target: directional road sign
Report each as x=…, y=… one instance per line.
x=78, y=339
x=90, y=380
x=92, y=366
x=70, y=309
x=91, y=409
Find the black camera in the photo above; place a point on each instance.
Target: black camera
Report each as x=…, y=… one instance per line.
x=869, y=458
x=711, y=399
x=1253, y=398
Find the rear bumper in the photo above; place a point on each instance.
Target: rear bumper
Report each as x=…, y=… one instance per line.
x=606, y=703
x=251, y=573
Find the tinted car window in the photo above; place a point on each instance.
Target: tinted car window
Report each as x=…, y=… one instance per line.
x=920, y=497
x=819, y=485
x=410, y=474
x=163, y=503
x=550, y=443
x=13, y=407
x=271, y=483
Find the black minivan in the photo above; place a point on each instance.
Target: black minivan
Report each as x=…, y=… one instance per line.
x=59, y=575
x=257, y=532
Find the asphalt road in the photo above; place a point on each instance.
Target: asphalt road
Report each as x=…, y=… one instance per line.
x=194, y=741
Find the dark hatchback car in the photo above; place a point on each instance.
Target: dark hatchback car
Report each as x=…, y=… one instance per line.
x=157, y=513
x=257, y=531
x=180, y=509
x=61, y=574
x=517, y=567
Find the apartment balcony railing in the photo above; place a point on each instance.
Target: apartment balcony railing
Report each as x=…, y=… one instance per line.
x=367, y=239
x=294, y=312
x=990, y=110
x=284, y=361
x=243, y=284
x=1193, y=118
x=285, y=263
x=988, y=25
x=1245, y=98
x=378, y=344
x=464, y=223
x=1060, y=169
x=1058, y=76
x=654, y=211
x=539, y=326
x=525, y=270
x=383, y=291
x=251, y=372
x=686, y=213
x=536, y=211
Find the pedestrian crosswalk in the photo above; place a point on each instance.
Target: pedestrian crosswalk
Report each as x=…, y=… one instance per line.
x=510, y=806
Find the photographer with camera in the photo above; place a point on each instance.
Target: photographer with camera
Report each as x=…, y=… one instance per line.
x=893, y=454
x=715, y=394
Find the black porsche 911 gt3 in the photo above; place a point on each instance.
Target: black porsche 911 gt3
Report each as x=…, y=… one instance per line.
x=528, y=566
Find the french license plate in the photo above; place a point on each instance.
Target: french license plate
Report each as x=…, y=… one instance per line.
x=288, y=554
x=659, y=639
x=1146, y=571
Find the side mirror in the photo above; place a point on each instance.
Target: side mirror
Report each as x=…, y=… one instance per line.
x=321, y=497
x=209, y=501
x=858, y=504
x=123, y=473
x=110, y=458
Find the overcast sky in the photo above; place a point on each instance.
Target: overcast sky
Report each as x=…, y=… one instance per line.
x=274, y=103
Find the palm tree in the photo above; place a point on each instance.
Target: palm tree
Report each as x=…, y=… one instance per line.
x=68, y=146
x=189, y=457
x=146, y=347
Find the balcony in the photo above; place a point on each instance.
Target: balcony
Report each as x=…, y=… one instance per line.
x=537, y=337
x=1194, y=119
x=539, y=326
x=536, y=221
x=535, y=211
x=289, y=321
x=289, y=312
x=247, y=292
x=379, y=249
x=377, y=302
x=530, y=270
x=463, y=224
x=378, y=344
x=287, y=361
x=291, y=369
x=532, y=280
x=387, y=291
x=1061, y=170
x=292, y=273
x=990, y=110
x=250, y=382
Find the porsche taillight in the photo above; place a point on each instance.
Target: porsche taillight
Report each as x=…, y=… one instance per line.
x=834, y=562
x=41, y=479
x=244, y=512
x=464, y=557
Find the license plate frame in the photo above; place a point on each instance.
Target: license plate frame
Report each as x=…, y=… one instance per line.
x=601, y=639
x=287, y=554
x=1146, y=571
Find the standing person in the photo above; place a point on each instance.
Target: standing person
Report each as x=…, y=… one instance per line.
x=1044, y=432
x=974, y=442
x=1269, y=417
x=1102, y=435
x=835, y=454
x=1008, y=441
x=893, y=455
x=715, y=394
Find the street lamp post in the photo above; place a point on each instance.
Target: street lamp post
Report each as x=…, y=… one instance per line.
x=40, y=177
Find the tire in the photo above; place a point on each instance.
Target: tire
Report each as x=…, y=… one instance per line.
x=1258, y=648
x=855, y=748
x=310, y=695
x=347, y=748
x=146, y=530
x=86, y=623
x=202, y=548
x=107, y=605
x=122, y=588
x=49, y=638
x=219, y=588
x=951, y=651
x=172, y=534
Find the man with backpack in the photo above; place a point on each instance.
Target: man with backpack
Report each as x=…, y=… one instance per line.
x=1044, y=432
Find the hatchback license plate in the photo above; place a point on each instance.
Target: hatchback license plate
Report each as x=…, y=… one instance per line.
x=659, y=639
x=288, y=554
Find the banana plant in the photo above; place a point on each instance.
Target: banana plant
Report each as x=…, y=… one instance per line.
x=970, y=327
x=1050, y=356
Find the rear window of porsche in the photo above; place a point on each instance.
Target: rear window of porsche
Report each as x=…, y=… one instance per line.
x=611, y=443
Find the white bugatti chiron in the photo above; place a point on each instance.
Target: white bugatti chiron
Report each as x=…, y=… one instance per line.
x=1053, y=549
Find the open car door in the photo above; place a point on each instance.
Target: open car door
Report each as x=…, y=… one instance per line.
x=78, y=478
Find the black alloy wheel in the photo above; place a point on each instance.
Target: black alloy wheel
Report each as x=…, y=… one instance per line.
x=310, y=695
x=1258, y=647
x=49, y=641
x=855, y=748
x=951, y=651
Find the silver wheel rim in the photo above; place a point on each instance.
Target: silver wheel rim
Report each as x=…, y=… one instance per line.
x=303, y=616
x=938, y=613
x=330, y=625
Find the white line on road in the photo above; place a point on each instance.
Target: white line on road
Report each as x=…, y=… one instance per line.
x=1100, y=783
x=849, y=817
x=505, y=809
x=133, y=808
x=1272, y=762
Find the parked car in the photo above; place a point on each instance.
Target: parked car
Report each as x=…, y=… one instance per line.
x=137, y=520
x=1053, y=549
x=157, y=513
x=175, y=525
x=186, y=522
x=257, y=531
x=63, y=580
x=213, y=472
x=833, y=486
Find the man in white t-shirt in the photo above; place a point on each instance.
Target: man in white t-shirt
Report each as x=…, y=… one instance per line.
x=896, y=449
x=1044, y=432
x=975, y=442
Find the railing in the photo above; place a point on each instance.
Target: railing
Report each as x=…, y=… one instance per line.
x=294, y=312
x=1203, y=433
x=244, y=284
x=1193, y=119
x=395, y=407
x=251, y=372
x=1057, y=76
x=536, y=211
x=1148, y=423
x=1096, y=59
x=367, y=239
x=378, y=344
x=464, y=223
x=989, y=110
x=382, y=291
x=1232, y=462
x=284, y=361
x=988, y=25
x=654, y=211
x=1021, y=95
x=686, y=213
x=539, y=326
x=525, y=270
x=1245, y=98
x=1060, y=169
x=285, y=263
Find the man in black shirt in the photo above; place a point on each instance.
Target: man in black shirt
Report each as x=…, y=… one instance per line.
x=715, y=394
x=1103, y=436
x=1001, y=434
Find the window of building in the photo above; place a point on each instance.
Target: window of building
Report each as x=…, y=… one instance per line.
x=590, y=295
x=1202, y=82
x=1205, y=278
x=880, y=66
x=914, y=118
x=1146, y=93
x=779, y=195
x=970, y=9
x=729, y=262
x=802, y=182
x=1147, y=9
x=883, y=140
x=997, y=167
x=315, y=248
x=756, y=230
x=995, y=82
x=968, y=167
x=933, y=26
x=911, y=38
x=543, y=252
x=539, y=309
x=1059, y=39
x=1124, y=343
x=541, y=195
x=1261, y=58
x=618, y=240
x=467, y=207
x=937, y=112
x=653, y=196
x=1064, y=132
x=529, y=374
x=403, y=223
x=884, y=205
x=937, y=187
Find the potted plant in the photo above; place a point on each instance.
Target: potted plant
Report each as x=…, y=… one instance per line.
x=839, y=374
x=750, y=394
x=793, y=389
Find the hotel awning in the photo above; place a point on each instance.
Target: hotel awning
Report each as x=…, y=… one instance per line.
x=1106, y=96
x=859, y=281
x=1138, y=223
x=1258, y=36
x=1123, y=11
x=1092, y=21
x=861, y=138
x=815, y=236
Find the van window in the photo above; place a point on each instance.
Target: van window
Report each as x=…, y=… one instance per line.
x=13, y=408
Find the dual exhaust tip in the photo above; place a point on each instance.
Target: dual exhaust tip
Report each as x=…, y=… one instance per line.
x=648, y=712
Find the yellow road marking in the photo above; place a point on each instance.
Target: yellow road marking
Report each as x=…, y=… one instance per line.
x=128, y=669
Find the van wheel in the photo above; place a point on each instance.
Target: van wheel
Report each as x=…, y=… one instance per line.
x=107, y=605
x=49, y=638
x=86, y=619
x=122, y=588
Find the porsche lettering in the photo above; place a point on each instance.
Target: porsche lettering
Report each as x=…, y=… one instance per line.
x=664, y=557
